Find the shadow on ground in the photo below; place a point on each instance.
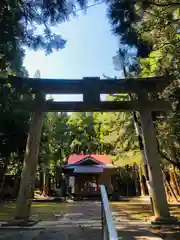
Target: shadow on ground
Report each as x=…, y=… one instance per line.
x=82, y=220
x=132, y=221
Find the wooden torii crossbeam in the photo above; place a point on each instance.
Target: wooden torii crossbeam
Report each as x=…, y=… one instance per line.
x=91, y=89
x=104, y=86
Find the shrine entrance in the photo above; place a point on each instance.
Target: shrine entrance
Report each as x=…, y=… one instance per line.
x=87, y=185
x=91, y=89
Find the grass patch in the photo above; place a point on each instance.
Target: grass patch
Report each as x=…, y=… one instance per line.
x=141, y=211
x=132, y=211
x=48, y=211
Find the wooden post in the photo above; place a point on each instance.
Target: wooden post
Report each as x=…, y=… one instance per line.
x=160, y=205
x=30, y=161
x=91, y=91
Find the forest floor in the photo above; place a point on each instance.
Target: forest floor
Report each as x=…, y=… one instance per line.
x=82, y=220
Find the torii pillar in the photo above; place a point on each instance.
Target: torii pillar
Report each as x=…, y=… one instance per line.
x=160, y=204
x=28, y=175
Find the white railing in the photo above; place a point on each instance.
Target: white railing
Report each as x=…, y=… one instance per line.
x=108, y=227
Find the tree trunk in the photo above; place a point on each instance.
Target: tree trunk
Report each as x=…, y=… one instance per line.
x=41, y=180
x=45, y=181
x=174, y=175
x=2, y=177
x=143, y=189
x=127, y=189
x=28, y=175
x=167, y=191
x=135, y=173
x=174, y=184
x=172, y=191
x=57, y=178
x=168, y=184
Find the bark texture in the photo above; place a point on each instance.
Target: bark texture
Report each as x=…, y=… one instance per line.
x=28, y=175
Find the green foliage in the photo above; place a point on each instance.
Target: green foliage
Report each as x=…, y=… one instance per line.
x=101, y=133
x=152, y=27
x=29, y=23
x=25, y=24
x=128, y=158
x=54, y=139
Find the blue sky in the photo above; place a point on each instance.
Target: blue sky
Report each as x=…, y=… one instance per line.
x=88, y=52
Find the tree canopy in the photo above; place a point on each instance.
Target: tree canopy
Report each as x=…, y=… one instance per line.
x=151, y=28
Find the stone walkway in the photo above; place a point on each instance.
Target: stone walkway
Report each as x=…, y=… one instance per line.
x=83, y=221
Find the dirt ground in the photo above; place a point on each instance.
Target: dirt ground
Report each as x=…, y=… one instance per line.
x=133, y=218
x=82, y=220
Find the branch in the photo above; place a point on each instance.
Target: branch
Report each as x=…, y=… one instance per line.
x=177, y=164
x=161, y=17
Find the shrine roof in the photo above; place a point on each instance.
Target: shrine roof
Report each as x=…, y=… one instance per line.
x=79, y=158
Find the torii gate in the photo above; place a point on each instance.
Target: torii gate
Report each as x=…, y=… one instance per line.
x=91, y=88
